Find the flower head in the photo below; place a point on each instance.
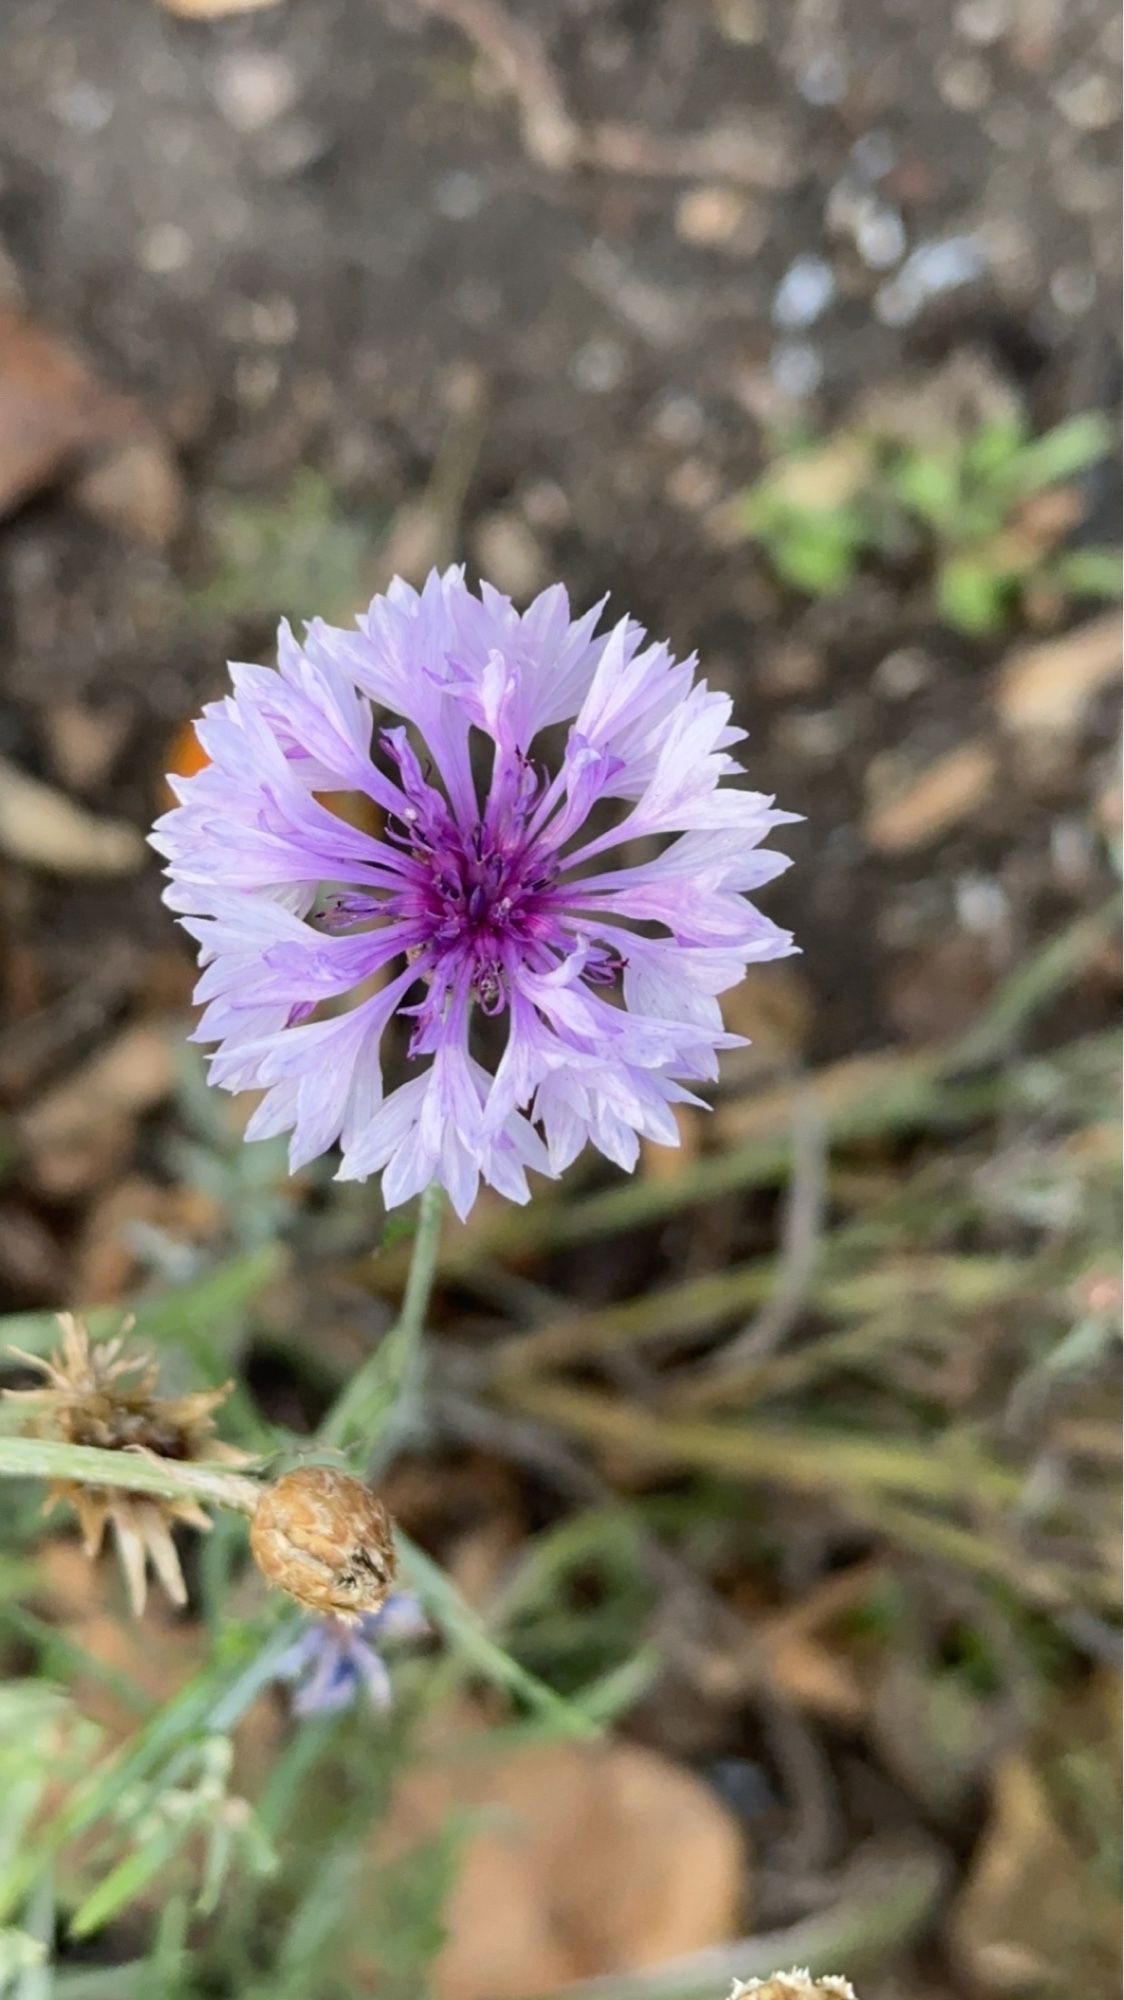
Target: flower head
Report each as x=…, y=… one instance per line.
x=104, y=1396
x=476, y=896
x=332, y=1662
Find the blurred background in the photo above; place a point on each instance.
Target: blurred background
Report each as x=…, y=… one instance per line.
x=793, y=324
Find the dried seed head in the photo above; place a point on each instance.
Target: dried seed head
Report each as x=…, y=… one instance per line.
x=103, y=1395
x=322, y=1536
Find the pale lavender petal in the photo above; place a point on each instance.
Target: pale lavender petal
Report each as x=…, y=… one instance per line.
x=331, y=1664
x=376, y=1680
x=401, y=1617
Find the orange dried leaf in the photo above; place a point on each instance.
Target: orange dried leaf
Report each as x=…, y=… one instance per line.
x=602, y=1858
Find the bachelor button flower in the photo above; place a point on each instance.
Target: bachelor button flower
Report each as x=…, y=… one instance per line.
x=332, y=1662
x=470, y=899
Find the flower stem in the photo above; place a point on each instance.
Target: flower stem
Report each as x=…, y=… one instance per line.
x=388, y=1379
x=128, y=1471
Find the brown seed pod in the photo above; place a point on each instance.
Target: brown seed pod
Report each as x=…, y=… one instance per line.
x=322, y=1536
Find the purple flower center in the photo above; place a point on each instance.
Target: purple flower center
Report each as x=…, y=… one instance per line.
x=478, y=899
x=481, y=897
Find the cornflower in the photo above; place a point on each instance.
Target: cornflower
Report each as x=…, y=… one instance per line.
x=469, y=899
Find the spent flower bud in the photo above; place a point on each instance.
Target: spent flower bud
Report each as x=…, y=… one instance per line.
x=321, y=1535
x=106, y=1395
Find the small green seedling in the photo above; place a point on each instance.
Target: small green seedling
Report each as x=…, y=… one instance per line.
x=986, y=513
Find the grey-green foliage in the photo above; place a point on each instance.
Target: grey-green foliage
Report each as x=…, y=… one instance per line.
x=249, y=1184
x=160, y=1817
x=148, y=1847
x=299, y=553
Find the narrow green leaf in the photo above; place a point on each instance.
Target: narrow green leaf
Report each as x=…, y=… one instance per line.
x=133, y=1981
x=928, y=483
x=464, y=1631
x=818, y=556
x=1089, y=573
x=994, y=447
x=129, y=1878
x=971, y=597
x=1067, y=450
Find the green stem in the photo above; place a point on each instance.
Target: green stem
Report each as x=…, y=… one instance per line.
x=128, y=1471
x=388, y=1380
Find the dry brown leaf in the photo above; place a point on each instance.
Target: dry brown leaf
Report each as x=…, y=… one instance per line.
x=45, y=829
x=598, y=1858
x=51, y=407
x=939, y=798
x=136, y=490
x=1046, y=517
x=55, y=417
x=1046, y=687
x=795, y=1653
x=108, y=1262
x=809, y=1676
x=78, y=1134
x=84, y=742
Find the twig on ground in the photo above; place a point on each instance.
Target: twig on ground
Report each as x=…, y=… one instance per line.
x=558, y=141
x=550, y=135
